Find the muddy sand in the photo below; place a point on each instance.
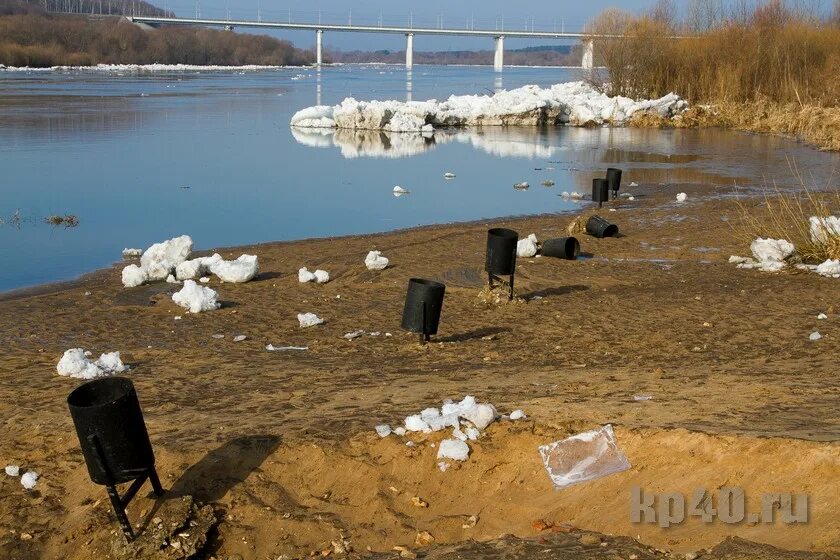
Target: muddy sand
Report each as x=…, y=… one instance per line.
x=282, y=445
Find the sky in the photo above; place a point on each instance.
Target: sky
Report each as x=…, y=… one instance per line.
x=569, y=15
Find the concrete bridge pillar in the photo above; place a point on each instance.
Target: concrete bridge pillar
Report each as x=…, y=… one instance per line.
x=409, y=51
x=319, y=39
x=499, y=57
x=588, y=55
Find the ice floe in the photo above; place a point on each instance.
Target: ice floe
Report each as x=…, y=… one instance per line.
x=573, y=103
x=141, y=68
x=196, y=298
x=77, y=364
x=375, y=261
x=309, y=320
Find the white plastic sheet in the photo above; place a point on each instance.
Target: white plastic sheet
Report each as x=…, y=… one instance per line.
x=583, y=457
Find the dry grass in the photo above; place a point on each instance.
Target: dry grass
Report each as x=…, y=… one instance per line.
x=786, y=215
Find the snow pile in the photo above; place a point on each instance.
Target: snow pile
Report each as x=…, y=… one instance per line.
x=823, y=228
x=829, y=269
x=75, y=363
x=12, y=470
x=375, y=261
x=770, y=255
x=466, y=419
x=527, y=247
x=309, y=320
x=29, y=479
x=319, y=276
x=196, y=298
x=573, y=103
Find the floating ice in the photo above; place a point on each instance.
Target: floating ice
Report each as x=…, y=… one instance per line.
x=824, y=228
x=574, y=103
x=375, y=261
x=399, y=190
x=29, y=480
x=384, y=430
x=682, y=197
x=160, y=260
x=517, y=415
x=829, y=268
x=815, y=336
x=454, y=449
x=527, y=247
x=521, y=186
x=583, y=457
x=243, y=269
x=196, y=298
x=309, y=320
x=12, y=470
x=75, y=363
x=133, y=276
x=141, y=68
x=132, y=252
x=448, y=175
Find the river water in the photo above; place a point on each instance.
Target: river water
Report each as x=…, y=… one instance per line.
x=141, y=157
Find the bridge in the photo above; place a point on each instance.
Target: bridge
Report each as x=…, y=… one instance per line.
x=497, y=35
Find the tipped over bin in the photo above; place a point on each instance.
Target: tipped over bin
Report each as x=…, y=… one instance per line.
x=501, y=256
x=561, y=248
x=114, y=441
x=600, y=227
x=423, y=305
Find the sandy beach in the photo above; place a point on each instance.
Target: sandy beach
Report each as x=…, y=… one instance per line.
x=282, y=444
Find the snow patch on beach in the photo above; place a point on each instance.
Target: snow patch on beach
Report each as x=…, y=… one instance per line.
x=572, y=103
x=75, y=363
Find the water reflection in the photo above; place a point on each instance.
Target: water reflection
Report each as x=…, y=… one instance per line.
x=498, y=84
x=318, y=86
x=409, y=87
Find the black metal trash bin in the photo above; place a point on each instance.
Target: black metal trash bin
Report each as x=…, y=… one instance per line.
x=562, y=248
x=423, y=305
x=501, y=255
x=600, y=227
x=114, y=440
x=614, y=180
x=600, y=191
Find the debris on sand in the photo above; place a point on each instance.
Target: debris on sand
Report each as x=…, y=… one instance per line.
x=309, y=320
x=29, y=480
x=12, y=470
x=76, y=363
x=375, y=261
x=527, y=247
x=319, y=276
x=132, y=253
x=586, y=456
x=196, y=298
x=682, y=197
x=272, y=348
x=499, y=295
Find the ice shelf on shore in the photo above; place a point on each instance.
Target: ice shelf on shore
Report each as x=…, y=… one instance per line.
x=375, y=261
x=196, y=298
x=466, y=419
x=75, y=363
x=572, y=103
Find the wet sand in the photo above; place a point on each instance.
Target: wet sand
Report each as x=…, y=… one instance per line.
x=282, y=443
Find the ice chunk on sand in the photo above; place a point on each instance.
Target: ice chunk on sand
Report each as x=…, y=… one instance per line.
x=160, y=260
x=272, y=348
x=734, y=259
x=527, y=247
x=171, y=279
x=309, y=320
x=196, y=268
x=132, y=252
x=583, y=457
x=481, y=415
x=384, y=430
x=196, y=298
x=133, y=276
x=400, y=431
x=829, y=268
x=768, y=251
x=322, y=276
x=454, y=449
x=472, y=433
x=239, y=338
x=12, y=470
x=29, y=479
x=305, y=276
x=375, y=261
x=75, y=363
x=243, y=269
x=822, y=316
x=682, y=197
x=517, y=415
x=416, y=423
x=815, y=336
x=823, y=228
